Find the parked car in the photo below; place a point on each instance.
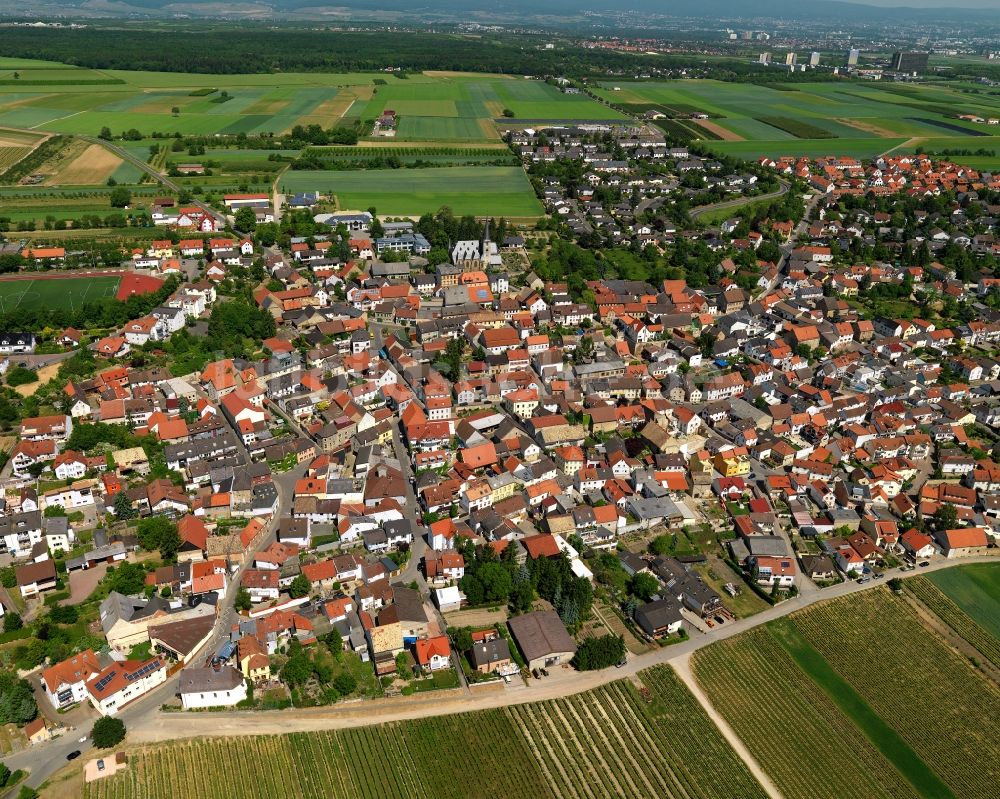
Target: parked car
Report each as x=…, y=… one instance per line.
x=73, y=755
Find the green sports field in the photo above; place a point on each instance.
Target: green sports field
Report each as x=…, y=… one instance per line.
x=480, y=191
x=68, y=292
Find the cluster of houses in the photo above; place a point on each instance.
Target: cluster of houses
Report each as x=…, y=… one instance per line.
x=885, y=175
x=633, y=162
x=780, y=412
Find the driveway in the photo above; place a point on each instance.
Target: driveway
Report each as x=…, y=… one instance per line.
x=83, y=582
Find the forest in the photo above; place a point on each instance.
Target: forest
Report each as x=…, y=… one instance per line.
x=206, y=47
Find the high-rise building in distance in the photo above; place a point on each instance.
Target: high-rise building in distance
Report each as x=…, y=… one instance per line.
x=791, y=60
x=852, y=58
x=814, y=59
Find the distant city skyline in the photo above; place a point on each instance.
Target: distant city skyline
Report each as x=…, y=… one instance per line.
x=987, y=4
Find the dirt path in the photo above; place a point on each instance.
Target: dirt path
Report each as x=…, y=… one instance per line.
x=683, y=668
x=939, y=627
x=148, y=724
x=718, y=130
x=911, y=142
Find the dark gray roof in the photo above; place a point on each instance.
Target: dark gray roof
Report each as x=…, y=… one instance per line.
x=495, y=651
x=203, y=680
x=540, y=634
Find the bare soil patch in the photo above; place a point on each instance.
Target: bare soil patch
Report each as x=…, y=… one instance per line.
x=45, y=374
x=868, y=127
x=723, y=133
x=91, y=167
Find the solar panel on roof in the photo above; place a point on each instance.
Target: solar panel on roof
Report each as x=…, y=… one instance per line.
x=105, y=681
x=143, y=671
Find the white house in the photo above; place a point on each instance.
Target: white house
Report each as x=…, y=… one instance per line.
x=120, y=683
x=775, y=571
x=65, y=683
x=211, y=687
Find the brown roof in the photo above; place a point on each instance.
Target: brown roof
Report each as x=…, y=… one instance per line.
x=540, y=634
x=36, y=572
x=182, y=636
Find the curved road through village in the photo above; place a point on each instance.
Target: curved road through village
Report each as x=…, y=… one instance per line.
x=739, y=202
x=147, y=723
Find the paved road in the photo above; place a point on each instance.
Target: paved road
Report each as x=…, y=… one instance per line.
x=738, y=202
x=158, y=176
x=45, y=759
x=152, y=726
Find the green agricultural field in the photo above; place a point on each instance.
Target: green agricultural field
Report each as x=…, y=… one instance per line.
x=446, y=107
x=877, y=705
x=481, y=191
x=843, y=118
x=859, y=148
x=975, y=588
x=932, y=697
x=610, y=742
x=56, y=292
x=939, y=603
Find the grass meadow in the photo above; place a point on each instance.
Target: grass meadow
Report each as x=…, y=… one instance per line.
x=481, y=191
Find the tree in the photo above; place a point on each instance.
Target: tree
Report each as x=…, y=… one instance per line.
x=8, y=577
x=17, y=702
x=126, y=578
x=108, y=731
x=662, y=544
x=599, y=653
x=644, y=586
x=158, y=532
x=64, y=614
x=245, y=220
x=335, y=641
x=12, y=621
x=403, y=666
x=105, y=133
x=496, y=580
x=21, y=376
x=345, y=684
x=300, y=587
x=243, y=600
x=298, y=668
x=120, y=197
x=123, y=506
x=175, y=110
x=945, y=517
x=462, y=638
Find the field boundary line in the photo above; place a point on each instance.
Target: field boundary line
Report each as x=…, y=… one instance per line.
x=23, y=294
x=682, y=667
x=57, y=119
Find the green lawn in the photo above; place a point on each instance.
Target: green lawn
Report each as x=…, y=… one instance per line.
x=975, y=589
x=67, y=292
x=481, y=191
